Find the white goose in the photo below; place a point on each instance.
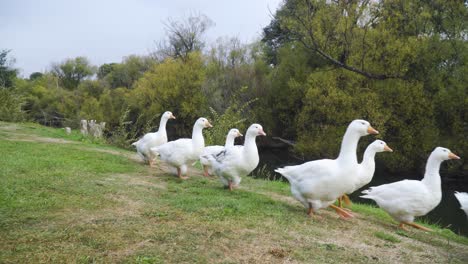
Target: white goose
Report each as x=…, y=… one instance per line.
x=462, y=198
x=210, y=150
x=366, y=167
x=406, y=199
x=183, y=151
x=151, y=140
x=317, y=184
x=237, y=161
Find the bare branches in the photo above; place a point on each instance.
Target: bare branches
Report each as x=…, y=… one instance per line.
x=183, y=36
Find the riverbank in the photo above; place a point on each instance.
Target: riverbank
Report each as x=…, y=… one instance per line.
x=65, y=199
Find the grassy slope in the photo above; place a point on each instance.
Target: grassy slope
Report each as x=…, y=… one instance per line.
x=65, y=200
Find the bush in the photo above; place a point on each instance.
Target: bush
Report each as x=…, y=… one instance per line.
x=11, y=105
x=233, y=117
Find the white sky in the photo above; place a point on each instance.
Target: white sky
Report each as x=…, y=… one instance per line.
x=40, y=32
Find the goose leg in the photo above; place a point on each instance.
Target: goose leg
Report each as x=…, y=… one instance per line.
x=179, y=173
x=340, y=202
x=342, y=213
x=230, y=185
x=417, y=226
x=346, y=199
x=205, y=171
x=403, y=227
x=309, y=210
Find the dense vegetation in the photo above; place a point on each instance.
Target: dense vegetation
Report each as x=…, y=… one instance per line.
x=402, y=65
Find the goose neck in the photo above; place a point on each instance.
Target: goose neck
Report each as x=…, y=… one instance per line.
x=250, y=141
x=229, y=141
x=349, y=147
x=369, y=157
x=432, y=176
x=197, y=136
x=162, y=124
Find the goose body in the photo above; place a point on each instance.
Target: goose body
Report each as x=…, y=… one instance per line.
x=151, y=140
x=236, y=161
x=404, y=200
x=211, y=150
x=317, y=184
x=179, y=153
x=462, y=198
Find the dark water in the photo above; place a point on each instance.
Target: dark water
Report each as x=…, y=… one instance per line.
x=447, y=214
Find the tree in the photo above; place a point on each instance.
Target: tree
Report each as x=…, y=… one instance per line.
x=72, y=71
x=400, y=64
x=183, y=37
x=174, y=85
x=35, y=75
x=125, y=74
x=7, y=73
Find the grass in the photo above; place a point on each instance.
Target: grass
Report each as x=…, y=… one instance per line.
x=387, y=237
x=83, y=202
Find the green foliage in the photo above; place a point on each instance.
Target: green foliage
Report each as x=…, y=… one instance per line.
x=399, y=64
x=233, y=117
x=7, y=73
x=126, y=132
x=90, y=109
x=35, y=75
x=332, y=100
x=72, y=71
x=173, y=85
x=11, y=103
x=124, y=74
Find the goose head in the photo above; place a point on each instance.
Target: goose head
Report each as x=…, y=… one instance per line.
x=255, y=130
x=443, y=154
x=362, y=127
x=168, y=115
x=202, y=123
x=380, y=146
x=233, y=133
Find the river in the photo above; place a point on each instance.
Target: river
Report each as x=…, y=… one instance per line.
x=447, y=214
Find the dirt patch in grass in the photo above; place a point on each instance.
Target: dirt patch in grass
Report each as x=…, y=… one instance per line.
x=32, y=138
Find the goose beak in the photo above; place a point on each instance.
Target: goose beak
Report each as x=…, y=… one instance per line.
x=207, y=124
x=453, y=156
x=372, y=131
x=172, y=116
x=239, y=134
x=387, y=148
x=261, y=133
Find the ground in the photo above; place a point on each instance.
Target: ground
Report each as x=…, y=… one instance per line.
x=65, y=199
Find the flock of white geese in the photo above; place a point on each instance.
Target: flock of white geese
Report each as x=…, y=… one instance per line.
x=316, y=184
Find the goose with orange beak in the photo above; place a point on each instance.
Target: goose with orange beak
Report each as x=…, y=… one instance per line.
x=317, y=184
x=184, y=151
x=236, y=161
x=404, y=200
x=366, y=168
x=151, y=140
x=211, y=150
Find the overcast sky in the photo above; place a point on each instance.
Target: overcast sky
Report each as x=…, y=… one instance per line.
x=40, y=32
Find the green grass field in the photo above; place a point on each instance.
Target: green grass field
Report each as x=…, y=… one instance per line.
x=65, y=199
